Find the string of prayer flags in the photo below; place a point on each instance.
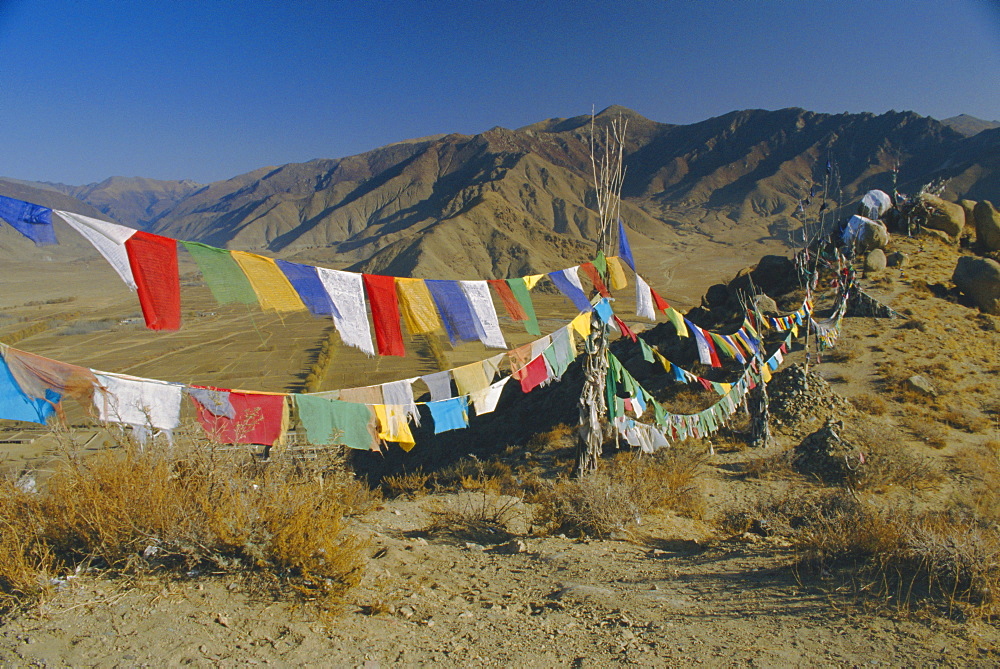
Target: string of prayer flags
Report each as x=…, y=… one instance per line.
x=484, y=313
x=223, y=276
x=381, y=292
x=454, y=309
x=450, y=414
x=305, y=280
x=624, y=250
x=417, y=306
x=153, y=260
x=568, y=282
x=519, y=287
x=31, y=220
x=274, y=291
x=347, y=293
x=336, y=422
x=706, y=351
x=108, y=238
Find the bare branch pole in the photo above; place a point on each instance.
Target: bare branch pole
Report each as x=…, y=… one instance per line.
x=609, y=174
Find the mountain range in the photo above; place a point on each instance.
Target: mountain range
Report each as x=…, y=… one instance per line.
x=507, y=202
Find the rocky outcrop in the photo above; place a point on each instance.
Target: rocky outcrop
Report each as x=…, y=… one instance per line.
x=979, y=279
x=824, y=454
x=987, y=225
x=942, y=215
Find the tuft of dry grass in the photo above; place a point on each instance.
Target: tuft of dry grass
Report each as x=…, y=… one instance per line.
x=871, y=404
x=614, y=498
x=177, y=508
x=482, y=514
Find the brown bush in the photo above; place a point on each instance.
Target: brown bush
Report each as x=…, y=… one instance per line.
x=614, y=498
x=190, y=508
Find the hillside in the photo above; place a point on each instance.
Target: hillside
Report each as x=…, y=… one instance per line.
x=969, y=125
x=514, y=201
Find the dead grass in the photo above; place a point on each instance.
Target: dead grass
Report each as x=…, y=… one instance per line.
x=176, y=509
x=927, y=431
x=482, y=513
x=613, y=499
x=870, y=403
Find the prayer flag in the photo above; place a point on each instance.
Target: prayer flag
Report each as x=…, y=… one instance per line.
x=16, y=405
x=274, y=291
x=153, y=260
x=31, y=220
x=108, y=238
x=346, y=291
x=568, y=282
x=595, y=278
x=450, y=414
x=510, y=303
x=260, y=418
x=616, y=275
x=484, y=313
x=417, y=306
x=643, y=299
x=520, y=289
x=305, y=281
x=385, y=314
x=454, y=309
x=224, y=277
x=335, y=422
x=624, y=250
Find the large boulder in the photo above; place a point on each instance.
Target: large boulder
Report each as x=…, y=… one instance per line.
x=874, y=204
x=969, y=207
x=942, y=215
x=987, y=225
x=871, y=235
x=979, y=278
x=774, y=274
x=875, y=261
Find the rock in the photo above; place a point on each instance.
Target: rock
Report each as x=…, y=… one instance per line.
x=942, y=215
x=969, y=206
x=874, y=204
x=979, y=278
x=875, y=261
x=512, y=547
x=825, y=455
x=987, y=225
x=470, y=546
x=406, y=612
x=921, y=384
x=716, y=296
x=872, y=235
x=774, y=273
x=897, y=259
x=765, y=304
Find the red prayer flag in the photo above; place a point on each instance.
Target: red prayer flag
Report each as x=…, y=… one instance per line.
x=259, y=419
x=660, y=303
x=153, y=260
x=595, y=278
x=626, y=330
x=510, y=302
x=534, y=375
x=385, y=313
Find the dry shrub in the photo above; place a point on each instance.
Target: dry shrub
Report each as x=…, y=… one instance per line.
x=773, y=465
x=871, y=404
x=844, y=351
x=904, y=557
x=927, y=431
x=184, y=508
x=615, y=497
x=411, y=484
x=25, y=561
x=483, y=515
x=966, y=418
x=887, y=461
x=474, y=474
x=560, y=436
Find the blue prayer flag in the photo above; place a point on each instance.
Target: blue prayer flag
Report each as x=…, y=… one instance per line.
x=31, y=220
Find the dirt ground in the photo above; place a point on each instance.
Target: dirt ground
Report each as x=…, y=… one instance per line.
x=671, y=591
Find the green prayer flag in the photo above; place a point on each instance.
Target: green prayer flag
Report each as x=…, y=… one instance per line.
x=647, y=352
x=224, y=277
x=601, y=264
x=335, y=422
x=520, y=290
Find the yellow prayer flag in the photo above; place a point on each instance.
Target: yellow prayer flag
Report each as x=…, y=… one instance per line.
x=765, y=373
x=532, y=279
x=416, y=306
x=393, y=425
x=471, y=378
x=616, y=275
x=663, y=361
x=675, y=317
x=581, y=324
x=273, y=289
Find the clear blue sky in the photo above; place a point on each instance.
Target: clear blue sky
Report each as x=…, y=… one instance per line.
x=209, y=89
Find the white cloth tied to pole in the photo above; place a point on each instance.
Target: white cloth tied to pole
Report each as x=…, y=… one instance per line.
x=347, y=292
x=108, y=238
x=487, y=323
